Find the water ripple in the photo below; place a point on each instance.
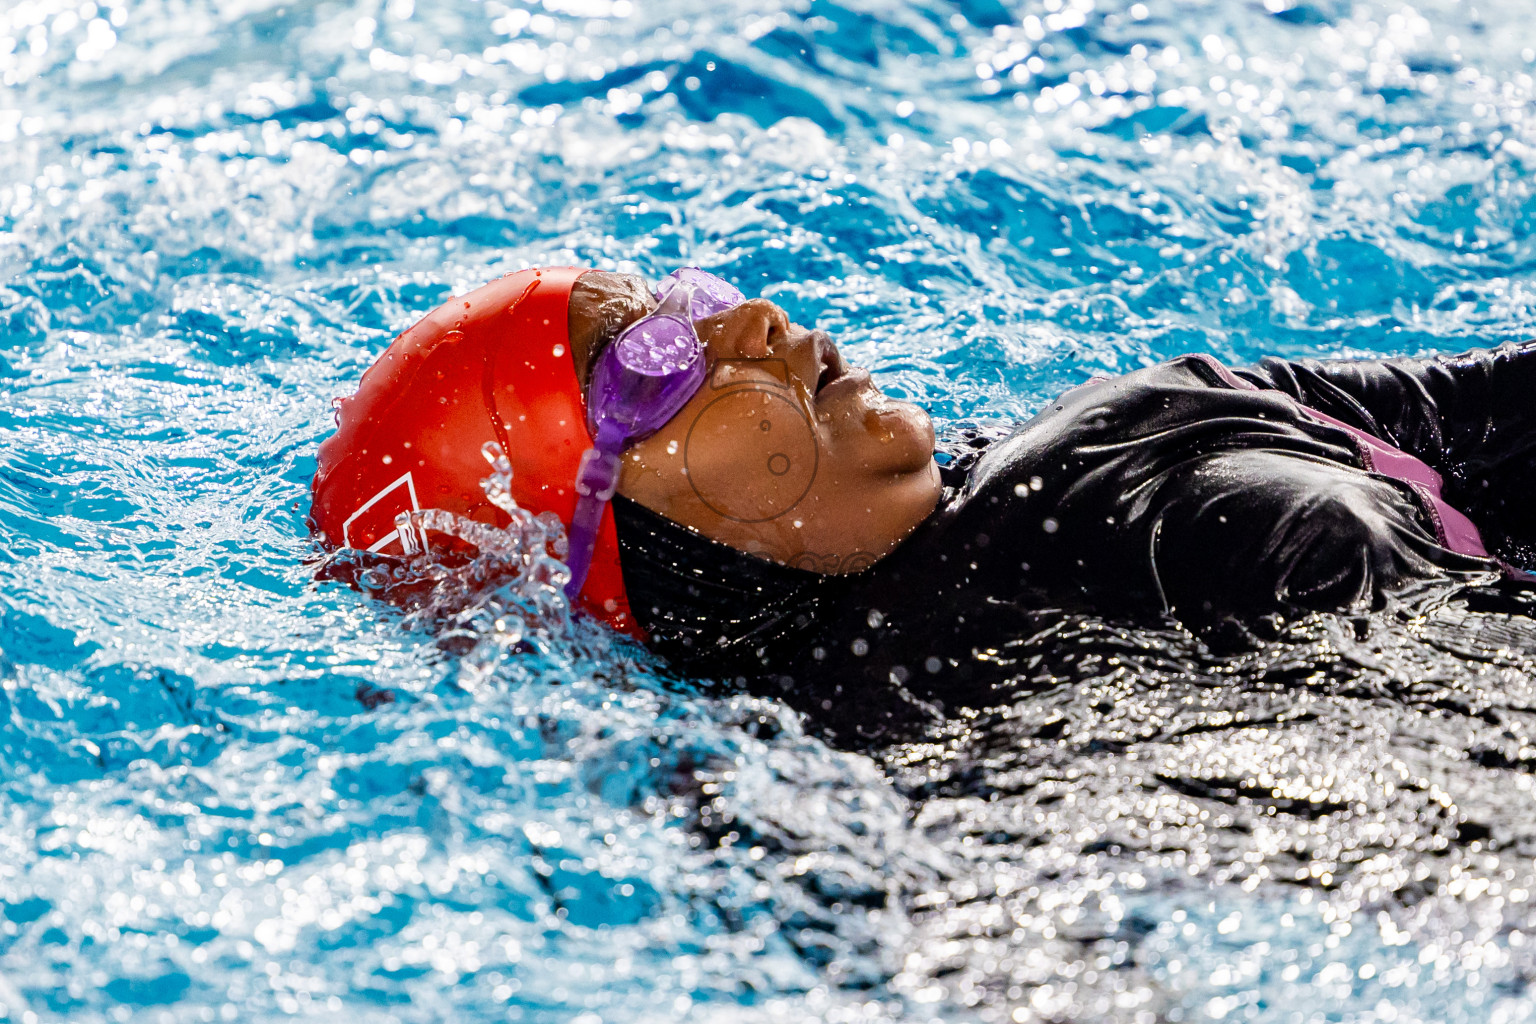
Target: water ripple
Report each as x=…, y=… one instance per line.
x=233, y=791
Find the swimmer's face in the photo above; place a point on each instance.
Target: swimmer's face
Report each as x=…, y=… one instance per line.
x=786, y=451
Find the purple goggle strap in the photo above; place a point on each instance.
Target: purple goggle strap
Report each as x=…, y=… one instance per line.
x=639, y=383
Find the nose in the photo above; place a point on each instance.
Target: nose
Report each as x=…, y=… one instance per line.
x=753, y=329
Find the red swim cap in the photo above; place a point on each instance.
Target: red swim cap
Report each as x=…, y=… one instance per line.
x=493, y=365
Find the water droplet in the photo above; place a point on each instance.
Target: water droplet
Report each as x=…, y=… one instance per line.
x=1050, y=525
x=860, y=647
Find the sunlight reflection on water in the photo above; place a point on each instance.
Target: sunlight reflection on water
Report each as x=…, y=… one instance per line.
x=232, y=793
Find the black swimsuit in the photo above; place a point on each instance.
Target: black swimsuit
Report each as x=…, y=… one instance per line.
x=1166, y=491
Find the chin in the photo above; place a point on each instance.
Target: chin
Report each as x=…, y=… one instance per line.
x=910, y=448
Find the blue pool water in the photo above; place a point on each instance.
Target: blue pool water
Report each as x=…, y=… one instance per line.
x=229, y=792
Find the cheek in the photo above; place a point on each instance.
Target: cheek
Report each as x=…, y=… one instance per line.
x=881, y=435
x=751, y=454
x=652, y=471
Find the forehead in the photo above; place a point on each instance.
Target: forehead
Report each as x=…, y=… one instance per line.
x=603, y=303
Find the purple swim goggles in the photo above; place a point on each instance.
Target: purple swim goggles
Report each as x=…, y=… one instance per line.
x=639, y=383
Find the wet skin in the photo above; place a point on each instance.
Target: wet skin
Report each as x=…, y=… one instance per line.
x=786, y=452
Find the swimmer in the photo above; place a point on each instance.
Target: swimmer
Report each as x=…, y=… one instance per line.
x=753, y=507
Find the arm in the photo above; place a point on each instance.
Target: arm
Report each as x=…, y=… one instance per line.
x=1463, y=414
x=1256, y=530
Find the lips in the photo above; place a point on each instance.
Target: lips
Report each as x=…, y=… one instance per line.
x=851, y=379
x=833, y=367
x=829, y=373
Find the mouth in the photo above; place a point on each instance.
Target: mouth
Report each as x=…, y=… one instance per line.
x=833, y=367
x=852, y=378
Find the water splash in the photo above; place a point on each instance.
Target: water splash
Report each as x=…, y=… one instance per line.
x=214, y=216
x=481, y=591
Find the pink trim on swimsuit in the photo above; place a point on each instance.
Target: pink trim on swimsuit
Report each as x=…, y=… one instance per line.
x=1453, y=529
